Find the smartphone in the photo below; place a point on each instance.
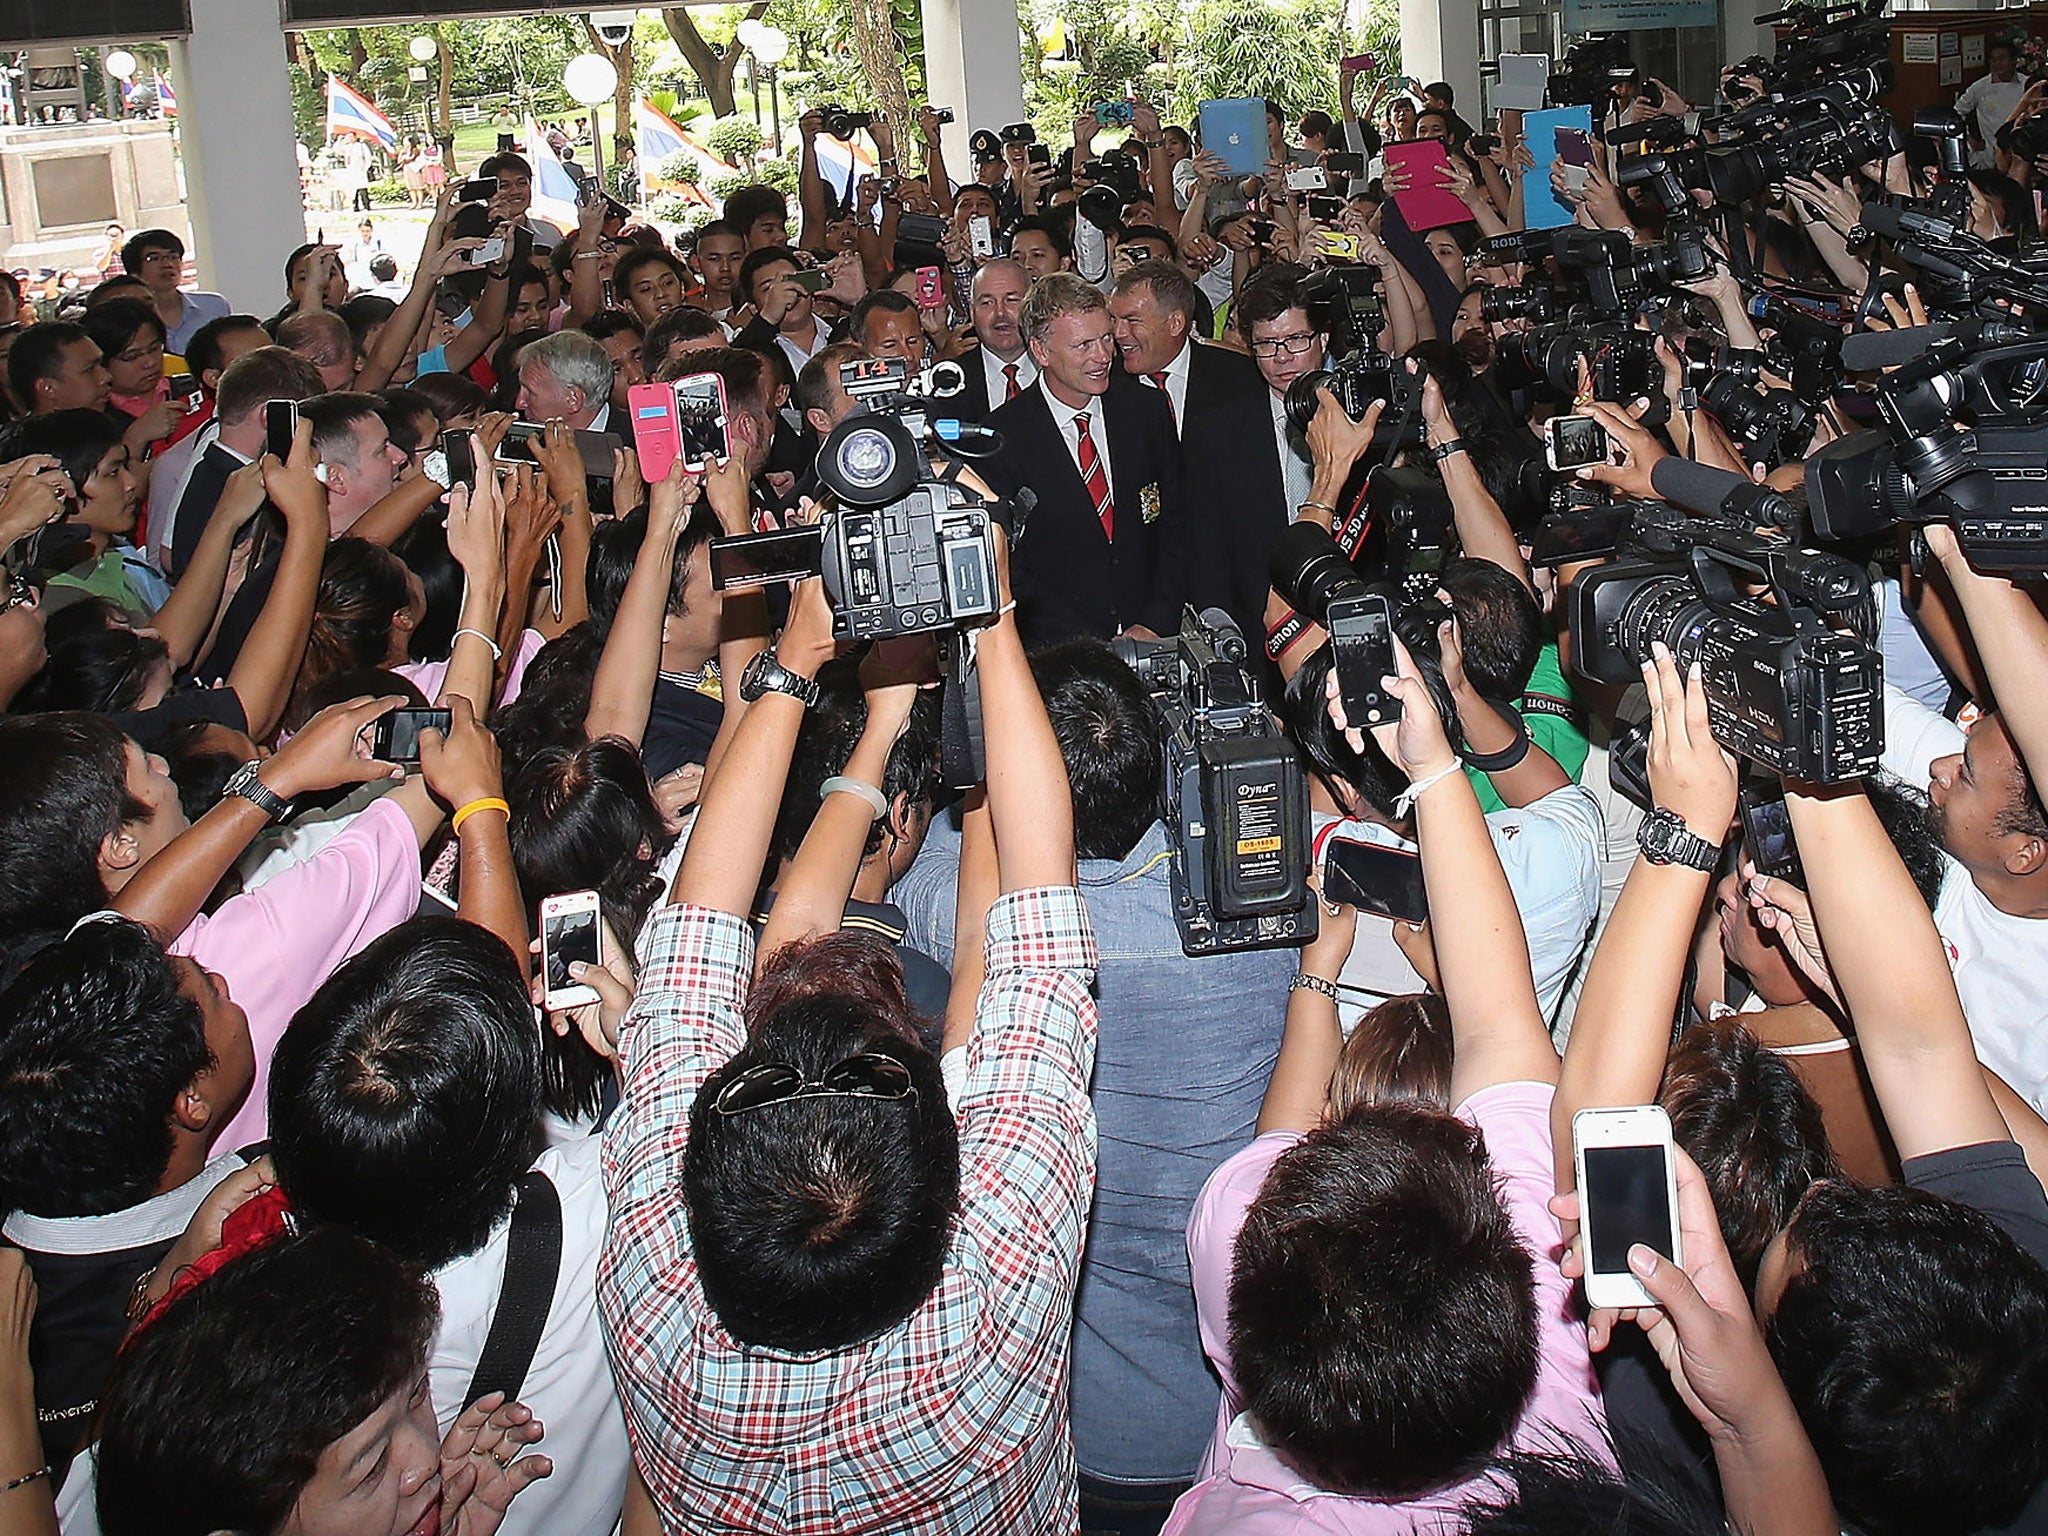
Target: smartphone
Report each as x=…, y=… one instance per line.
x=811, y=279
x=1570, y=441
x=280, y=427
x=478, y=189
x=1307, y=178
x=1362, y=650
x=981, y=237
x=588, y=191
x=569, y=932
x=929, y=294
x=1767, y=833
x=488, y=252
x=1326, y=210
x=1360, y=63
x=1373, y=878
x=460, y=454
x=1340, y=162
x=1038, y=154
x=1575, y=147
x=657, y=428
x=701, y=420
x=1628, y=1193
x=759, y=559
x=182, y=386
x=395, y=738
x=1330, y=242
x=1587, y=533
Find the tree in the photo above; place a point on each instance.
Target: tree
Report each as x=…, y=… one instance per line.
x=714, y=64
x=622, y=94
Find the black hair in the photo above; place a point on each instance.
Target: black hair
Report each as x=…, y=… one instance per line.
x=1909, y=821
x=505, y=364
x=758, y=261
x=606, y=324
x=452, y=395
x=401, y=412
x=820, y=1222
x=825, y=741
x=201, y=772
x=1109, y=737
x=424, y=549
x=683, y=323
x=404, y=1095
x=38, y=353
x=1349, y=776
x=889, y=301
x=143, y=240
x=748, y=205
x=1382, y=1309
x=91, y=663
x=219, y=1410
x=1056, y=231
x=362, y=591
x=1742, y=1114
x=553, y=698
x=117, y=322
x=1267, y=295
x=96, y=1043
x=506, y=160
x=745, y=372
x=63, y=791
x=1570, y=1492
x=1913, y=1337
x=584, y=819
x=203, y=351
x=1500, y=625
x=77, y=439
x=363, y=314
x=630, y=261
x=615, y=548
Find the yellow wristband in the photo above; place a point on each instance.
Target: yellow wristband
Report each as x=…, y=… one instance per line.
x=487, y=803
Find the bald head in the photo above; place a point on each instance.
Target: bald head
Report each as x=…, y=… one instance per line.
x=997, y=298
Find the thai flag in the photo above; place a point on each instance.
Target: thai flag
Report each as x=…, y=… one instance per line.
x=352, y=114
x=554, y=189
x=166, y=98
x=656, y=136
x=842, y=165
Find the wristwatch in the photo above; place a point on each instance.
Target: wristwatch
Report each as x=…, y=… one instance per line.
x=255, y=791
x=765, y=674
x=1665, y=839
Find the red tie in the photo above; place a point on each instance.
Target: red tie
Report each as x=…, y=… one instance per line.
x=1159, y=383
x=1010, y=390
x=1095, y=477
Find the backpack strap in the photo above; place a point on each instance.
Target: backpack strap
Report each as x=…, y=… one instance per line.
x=533, y=1260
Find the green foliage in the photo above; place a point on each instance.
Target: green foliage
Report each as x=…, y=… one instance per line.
x=779, y=174
x=309, y=107
x=736, y=139
x=682, y=166
x=723, y=187
x=388, y=193
x=674, y=208
x=822, y=65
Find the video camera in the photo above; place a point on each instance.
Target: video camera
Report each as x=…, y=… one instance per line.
x=1233, y=796
x=905, y=548
x=1593, y=68
x=1341, y=303
x=1820, y=43
x=1925, y=466
x=1782, y=637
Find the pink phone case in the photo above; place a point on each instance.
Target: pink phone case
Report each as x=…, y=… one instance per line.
x=1425, y=204
x=657, y=428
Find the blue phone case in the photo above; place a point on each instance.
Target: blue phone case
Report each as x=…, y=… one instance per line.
x=1234, y=129
x=1540, y=207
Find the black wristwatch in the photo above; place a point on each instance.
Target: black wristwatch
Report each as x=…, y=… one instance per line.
x=765, y=674
x=259, y=794
x=1665, y=839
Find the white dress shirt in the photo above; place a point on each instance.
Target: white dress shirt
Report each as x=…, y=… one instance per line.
x=797, y=355
x=1297, y=470
x=1098, y=431
x=998, y=383
x=1176, y=385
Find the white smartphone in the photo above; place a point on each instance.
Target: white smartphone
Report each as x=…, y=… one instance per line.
x=1570, y=441
x=569, y=931
x=981, y=237
x=1628, y=1193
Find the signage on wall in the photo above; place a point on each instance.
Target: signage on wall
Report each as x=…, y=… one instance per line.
x=1918, y=47
x=1638, y=15
x=1973, y=51
x=1952, y=71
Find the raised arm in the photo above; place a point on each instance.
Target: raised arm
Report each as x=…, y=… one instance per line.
x=2011, y=637
x=476, y=540
x=438, y=257
x=1622, y=1030
x=1497, y=1029
x=1491, y=731
x=622, y=693
x=975, y=891
x=1889, y=962
x=813, y=197
x=586, y=288
x=1299, y=1090
x=187, y=615
x=464, y=774
x=268, y=662
x=1483, y=528
x=1030, y=802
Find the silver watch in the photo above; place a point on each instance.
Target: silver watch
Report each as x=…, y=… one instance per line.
x=765, y=674
x=246, y=784
x=1664, y=838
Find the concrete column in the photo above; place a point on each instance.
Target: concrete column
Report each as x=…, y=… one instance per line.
x=1440, y=41
x=1741, y=34
x=972, y=65
x=235, y=131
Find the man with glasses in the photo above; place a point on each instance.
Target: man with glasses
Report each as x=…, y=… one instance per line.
x=157, y=256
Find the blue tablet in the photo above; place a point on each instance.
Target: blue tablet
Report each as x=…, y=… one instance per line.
x=1235, y=131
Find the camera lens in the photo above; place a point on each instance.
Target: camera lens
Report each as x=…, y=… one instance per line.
x=1668, y=609
x=866, y=459
x=1301, y=403
x=1308, y=569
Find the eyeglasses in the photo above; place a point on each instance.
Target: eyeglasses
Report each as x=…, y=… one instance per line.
x=1293, y=345
x=870, y=1075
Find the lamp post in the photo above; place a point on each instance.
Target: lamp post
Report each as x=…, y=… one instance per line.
x=590, y=78
x=119, y=65
x=748, y=36
x=771, y=47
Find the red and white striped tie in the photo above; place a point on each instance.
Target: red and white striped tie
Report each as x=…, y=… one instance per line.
x=1010, y=389
x=1095, y=477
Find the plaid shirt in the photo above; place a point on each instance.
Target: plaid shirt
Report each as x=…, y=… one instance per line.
x=953, y=1422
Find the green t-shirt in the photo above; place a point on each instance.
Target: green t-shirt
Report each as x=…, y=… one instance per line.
x=1555, y=719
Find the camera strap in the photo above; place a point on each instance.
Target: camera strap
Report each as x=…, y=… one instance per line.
x=962, y=758
x=533, y=1261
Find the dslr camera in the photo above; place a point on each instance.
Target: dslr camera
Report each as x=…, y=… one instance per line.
x=1233, y=795
x=842, y=124
x=903, y=549
x=1782, y=636
x=1341, y=303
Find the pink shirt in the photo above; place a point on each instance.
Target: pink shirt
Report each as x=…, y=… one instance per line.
x=428, y=676
x=1247, y=1489
x=275, y=945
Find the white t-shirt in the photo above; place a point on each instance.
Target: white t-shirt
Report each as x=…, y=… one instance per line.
x=1551, y=853
x=569, y=1385
x=1992, y=101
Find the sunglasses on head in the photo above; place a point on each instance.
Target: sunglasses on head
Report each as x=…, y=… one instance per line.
x=870, y=1075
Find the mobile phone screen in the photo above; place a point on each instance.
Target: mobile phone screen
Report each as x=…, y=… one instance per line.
x=1576, y=440
x=760, y=558
x=1383, y=880
x=1362, y=651
x=280, y=426
x=460, y=454
x=1626, y=1200
x=1767, y=825
x=1574, y=146
x=398, y=733
x=567, y=937
x=1592, y=533
x=811, y=279
x=478, y=189
x=700, y=410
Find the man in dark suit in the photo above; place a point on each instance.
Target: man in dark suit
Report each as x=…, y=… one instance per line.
x=999, y=367
x=1104, y=549
x=1154, y=309
x=250, y=382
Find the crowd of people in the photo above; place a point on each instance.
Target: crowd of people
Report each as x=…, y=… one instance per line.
x=891, y=1163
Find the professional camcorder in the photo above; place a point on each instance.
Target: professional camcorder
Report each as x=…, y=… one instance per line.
x=1782, y=636
x=1233, y=796
x=1593, y=68
x=904, y=547
x=1819, y=43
